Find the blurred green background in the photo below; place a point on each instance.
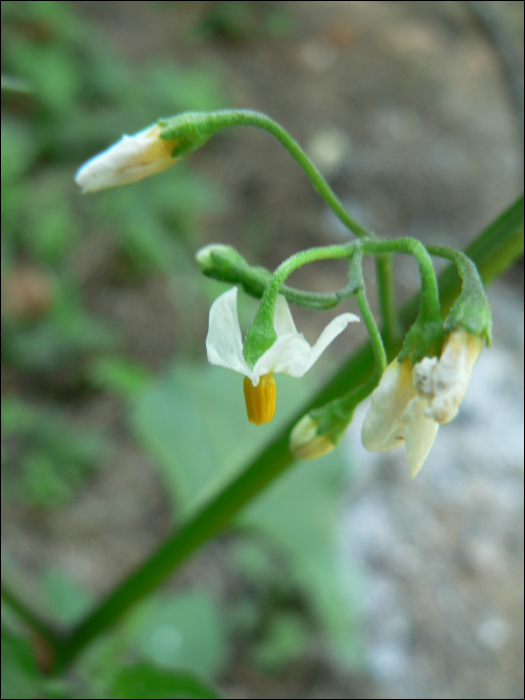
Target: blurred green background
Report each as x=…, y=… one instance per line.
x=113, y=425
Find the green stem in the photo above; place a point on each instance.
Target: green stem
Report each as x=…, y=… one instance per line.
x=373, y=331
x=467, y=270
x=334, y=417
x=214, y=121
x=429, y=308
x=387, y=301
x=355, y=274
x=261, y=334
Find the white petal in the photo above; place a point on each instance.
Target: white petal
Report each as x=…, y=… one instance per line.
x=292, y=354
x=382, y=429
x=129, y=160
x=332, y=330
x=451, y=376
x=289, y=354
x=282, y=320
x=420, y=433
x=224, y=340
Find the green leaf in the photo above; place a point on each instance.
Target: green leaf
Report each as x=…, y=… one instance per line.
x=148, y=681
x=185, y=631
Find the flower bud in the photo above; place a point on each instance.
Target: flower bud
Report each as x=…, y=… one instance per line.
x=305, y=443
x=131, y=159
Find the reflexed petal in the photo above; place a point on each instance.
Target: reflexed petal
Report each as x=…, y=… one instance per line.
x=289, y=354
x=282, y=320
x=382, y=429
x=420, y=433
x=292, y=354
x=224, y=341
x=332, y=330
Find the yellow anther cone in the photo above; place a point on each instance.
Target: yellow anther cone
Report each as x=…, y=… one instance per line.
x=260, y=399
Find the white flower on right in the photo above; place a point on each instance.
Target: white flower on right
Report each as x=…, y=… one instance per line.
x=410, y=402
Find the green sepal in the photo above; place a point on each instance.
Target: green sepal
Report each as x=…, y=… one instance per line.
x=333, y=418
x=225, y=264
x=261, y=335
x=471, y=310
x=424, y=339
x=190, y=130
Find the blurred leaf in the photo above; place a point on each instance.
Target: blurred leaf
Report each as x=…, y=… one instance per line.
x=51, y=69
x=43, y=483
x=17, y=416
x=58, y=339
x=20, y=677
x=119, y=375
x=148, y=681
x=253, y=560
x=196, y=89
x=286, y=640
x=50, y=226
x=186, y=631
x=198, y=446
x=10, y=83
x=69, y=601
x=17, y=152
x=55, y=458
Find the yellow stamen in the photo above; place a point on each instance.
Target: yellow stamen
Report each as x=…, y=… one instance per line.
x=260, y=399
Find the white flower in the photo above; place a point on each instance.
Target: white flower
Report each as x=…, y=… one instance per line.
x=290, y=353
x=410, y=402
x=129, y=160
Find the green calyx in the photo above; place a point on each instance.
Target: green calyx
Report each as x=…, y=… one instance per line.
x=224, y=263
x=261, y=335
x=424, y=339
x=471, y=310
x=190, y=130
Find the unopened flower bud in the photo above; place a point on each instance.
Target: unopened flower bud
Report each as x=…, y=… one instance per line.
x=131, y=159
x=305, y=443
